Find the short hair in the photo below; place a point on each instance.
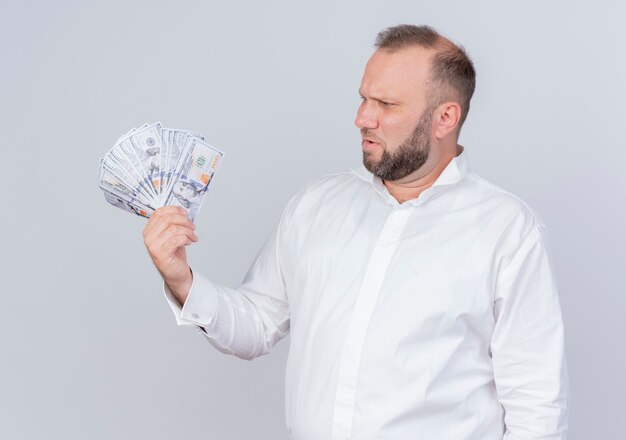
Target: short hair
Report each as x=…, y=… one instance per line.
x=450, y=66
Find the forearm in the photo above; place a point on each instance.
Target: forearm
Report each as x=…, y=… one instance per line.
x=236, y=321
x=246, y=321
x=528, y=348
x=536, y=397
x=180, y=288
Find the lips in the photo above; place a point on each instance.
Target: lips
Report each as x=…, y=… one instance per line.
x=369, y=144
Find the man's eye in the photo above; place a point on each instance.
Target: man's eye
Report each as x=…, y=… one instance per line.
x=385, y=104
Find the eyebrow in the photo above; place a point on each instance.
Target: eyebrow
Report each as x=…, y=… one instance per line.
x=379, y=98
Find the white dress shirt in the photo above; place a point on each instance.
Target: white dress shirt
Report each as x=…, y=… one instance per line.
x=433, y=319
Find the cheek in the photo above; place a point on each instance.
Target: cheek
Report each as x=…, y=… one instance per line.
x=397, y=128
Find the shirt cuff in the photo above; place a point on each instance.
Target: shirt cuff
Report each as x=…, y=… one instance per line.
x=200, y=305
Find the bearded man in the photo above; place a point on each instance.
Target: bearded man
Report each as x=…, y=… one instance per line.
x=419, y=297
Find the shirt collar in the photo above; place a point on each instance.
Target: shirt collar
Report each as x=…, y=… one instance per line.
x=453, y=173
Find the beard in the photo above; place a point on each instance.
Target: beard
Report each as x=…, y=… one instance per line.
x=408, y=157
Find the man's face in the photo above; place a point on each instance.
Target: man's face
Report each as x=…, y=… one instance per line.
x=394, y=117
x=185, y=191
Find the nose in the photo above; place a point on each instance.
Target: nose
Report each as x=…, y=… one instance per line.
x=366, y=116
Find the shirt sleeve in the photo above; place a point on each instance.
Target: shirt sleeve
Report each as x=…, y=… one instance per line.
x=527, y=345
x=246, y=321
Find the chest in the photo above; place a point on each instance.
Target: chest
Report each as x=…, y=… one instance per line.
x=433, y=269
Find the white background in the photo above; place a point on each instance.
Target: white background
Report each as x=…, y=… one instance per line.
x=89, y=347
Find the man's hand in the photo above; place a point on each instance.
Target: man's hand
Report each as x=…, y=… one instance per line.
x=166, y=234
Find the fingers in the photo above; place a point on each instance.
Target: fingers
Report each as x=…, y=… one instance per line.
x=175, y=230
x=163, y=247
x=167, y=246
x=166, y=231
x=164, y=217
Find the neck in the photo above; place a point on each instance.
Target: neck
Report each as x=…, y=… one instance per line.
x=423, y=178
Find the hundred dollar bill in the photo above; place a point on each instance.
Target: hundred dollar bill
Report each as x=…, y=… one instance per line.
x=178, y=140
x=118, y=163
x=109, y=163
x=152, y=166
x=165, y=148
x=119, y=202
x=111, y=183
x=194, y=172
x=133, y=162
x=145, y=144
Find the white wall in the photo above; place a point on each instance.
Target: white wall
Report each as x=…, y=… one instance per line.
x=90, y=348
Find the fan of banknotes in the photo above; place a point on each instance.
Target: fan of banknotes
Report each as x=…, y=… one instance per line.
x=154, y=166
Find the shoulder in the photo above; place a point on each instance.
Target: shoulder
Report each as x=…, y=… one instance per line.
x=324, y=194
x=327, y=189
x=331, y=182
x=515, y=224
x=506, y=205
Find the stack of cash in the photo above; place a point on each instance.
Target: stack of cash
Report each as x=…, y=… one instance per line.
x=154, y=166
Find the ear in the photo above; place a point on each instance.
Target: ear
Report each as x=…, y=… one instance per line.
x=446, y=118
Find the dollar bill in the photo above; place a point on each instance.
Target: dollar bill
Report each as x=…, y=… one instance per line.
x=195, y=170
x=153, y=166
x=123, y=164
x=121, y=203
x=111, y=164
x=145, y=144
x=109, y=182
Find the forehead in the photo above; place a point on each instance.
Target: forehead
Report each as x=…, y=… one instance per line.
x=400, y=74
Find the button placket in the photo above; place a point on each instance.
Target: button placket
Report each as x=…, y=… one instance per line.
x=378, y=264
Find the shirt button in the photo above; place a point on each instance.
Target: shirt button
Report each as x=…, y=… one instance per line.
x=195, y=315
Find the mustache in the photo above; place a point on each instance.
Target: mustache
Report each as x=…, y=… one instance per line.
x=366, y=134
